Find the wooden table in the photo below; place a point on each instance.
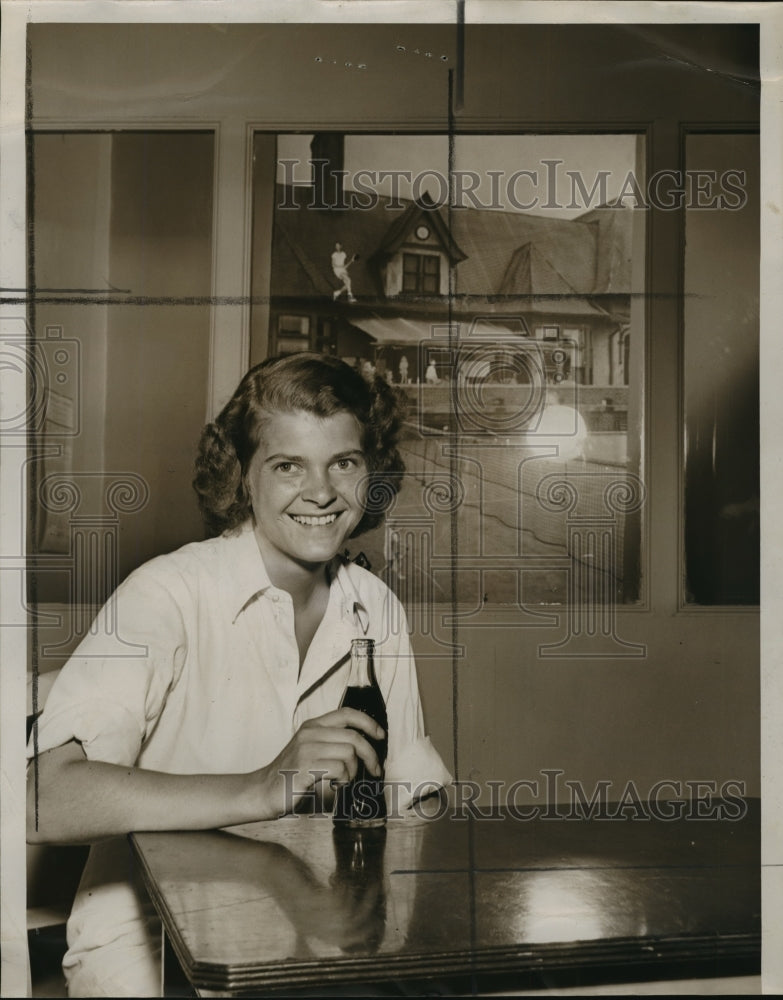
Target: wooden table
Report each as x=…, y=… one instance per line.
x=268, y=907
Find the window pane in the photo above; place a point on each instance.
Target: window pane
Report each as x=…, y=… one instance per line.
x=523, y=439
x=722, y=370
x=295, y=324
x=122, y=226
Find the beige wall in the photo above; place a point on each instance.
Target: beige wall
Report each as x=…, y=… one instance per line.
x=159, y=351
x=72, y=205
x=291, y=74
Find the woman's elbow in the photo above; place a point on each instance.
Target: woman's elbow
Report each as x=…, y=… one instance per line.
x=45, y=790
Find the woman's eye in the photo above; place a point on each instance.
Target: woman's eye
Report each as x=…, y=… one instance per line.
x=344, y=464
x=285, y=467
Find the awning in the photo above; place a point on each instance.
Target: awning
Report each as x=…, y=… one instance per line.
x=398, y=330
x=401, y=331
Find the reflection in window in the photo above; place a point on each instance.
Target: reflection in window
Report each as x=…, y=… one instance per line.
x=523, y=438
x=721, y=378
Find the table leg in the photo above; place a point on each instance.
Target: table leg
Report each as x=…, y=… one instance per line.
x=173, y=981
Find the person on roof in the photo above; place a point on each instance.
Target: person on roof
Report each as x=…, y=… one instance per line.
x=340, y=265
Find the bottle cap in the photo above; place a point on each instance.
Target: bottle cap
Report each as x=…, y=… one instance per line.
x=360, y=645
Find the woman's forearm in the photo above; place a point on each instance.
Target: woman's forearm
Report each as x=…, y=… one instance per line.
x=73, y=800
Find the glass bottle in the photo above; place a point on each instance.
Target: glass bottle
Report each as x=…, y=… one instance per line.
x=360, y=803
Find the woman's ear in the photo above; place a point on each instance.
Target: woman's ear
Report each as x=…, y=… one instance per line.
x=245, y=487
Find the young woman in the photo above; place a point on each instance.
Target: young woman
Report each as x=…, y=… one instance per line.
x=213, y=700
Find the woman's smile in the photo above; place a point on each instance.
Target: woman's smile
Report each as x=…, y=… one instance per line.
x=313, y=520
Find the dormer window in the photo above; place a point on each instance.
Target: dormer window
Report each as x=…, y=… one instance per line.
x=416, y=252
x=421, y=273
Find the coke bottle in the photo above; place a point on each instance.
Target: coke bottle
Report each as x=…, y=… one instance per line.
x=361, y=803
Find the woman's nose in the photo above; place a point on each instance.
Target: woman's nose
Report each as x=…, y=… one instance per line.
x=318, y=487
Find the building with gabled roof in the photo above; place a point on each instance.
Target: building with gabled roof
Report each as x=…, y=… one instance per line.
x=416, y=267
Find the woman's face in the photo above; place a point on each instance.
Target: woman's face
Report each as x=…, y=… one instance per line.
x=308, y=486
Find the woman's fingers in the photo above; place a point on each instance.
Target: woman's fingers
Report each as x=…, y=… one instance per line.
x=348, y=718
x=325, y=750
x=321, y=742
x=337, y=772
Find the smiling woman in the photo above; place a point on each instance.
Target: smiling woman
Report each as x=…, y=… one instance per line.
x=320, y=387
x=217, y=702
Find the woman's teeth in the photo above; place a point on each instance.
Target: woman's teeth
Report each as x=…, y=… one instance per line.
x=313, y=521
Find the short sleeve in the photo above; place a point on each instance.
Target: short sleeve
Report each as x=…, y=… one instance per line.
x=110, y=693
x=413, y=764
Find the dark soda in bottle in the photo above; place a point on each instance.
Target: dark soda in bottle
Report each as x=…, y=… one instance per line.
x=361, y=803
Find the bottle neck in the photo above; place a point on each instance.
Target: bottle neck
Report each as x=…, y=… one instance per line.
x=362, y=672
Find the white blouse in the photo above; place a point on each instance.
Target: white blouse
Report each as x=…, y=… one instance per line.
x=193, y=667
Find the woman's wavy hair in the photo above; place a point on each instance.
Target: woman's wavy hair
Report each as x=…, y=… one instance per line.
x=318, y=384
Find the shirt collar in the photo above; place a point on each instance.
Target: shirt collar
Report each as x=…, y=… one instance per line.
x=246, y=574
x=247, y=577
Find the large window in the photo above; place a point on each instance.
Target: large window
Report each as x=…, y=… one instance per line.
x=721, y=371
x=523, y=386
x=122, y=260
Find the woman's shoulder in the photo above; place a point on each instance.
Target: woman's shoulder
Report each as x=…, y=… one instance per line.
x=204, y=558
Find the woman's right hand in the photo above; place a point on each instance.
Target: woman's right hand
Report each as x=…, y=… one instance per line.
x=325, y=749
x=74, y=800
